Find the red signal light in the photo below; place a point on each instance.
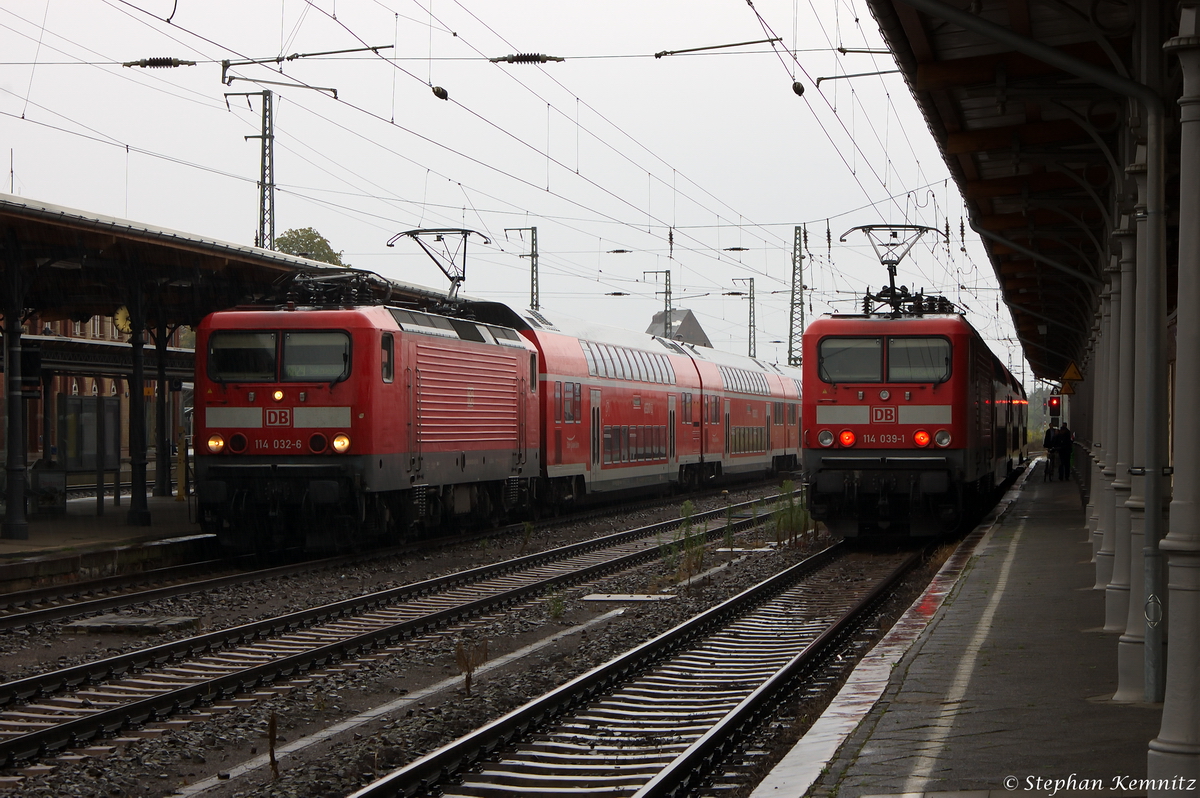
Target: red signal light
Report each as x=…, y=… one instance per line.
x=846, y=438
x=1054, y=400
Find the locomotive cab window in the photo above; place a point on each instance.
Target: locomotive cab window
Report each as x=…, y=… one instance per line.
x=851, y=359
x=387, y=353
x=918, y=360
x=316, y=356
x=242, y=356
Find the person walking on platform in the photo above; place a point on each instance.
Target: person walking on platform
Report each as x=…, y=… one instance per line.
x=1063, y=442
x=1048, y=445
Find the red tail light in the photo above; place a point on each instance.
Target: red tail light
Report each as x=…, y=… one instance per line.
x=846, y=438
x=921, y=437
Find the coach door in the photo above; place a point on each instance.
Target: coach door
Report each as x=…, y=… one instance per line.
x=671, y=428
x=728, y=428
x=596, y=430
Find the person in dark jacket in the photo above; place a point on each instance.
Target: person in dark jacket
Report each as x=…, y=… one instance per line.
x=1051, y=459
x=1063, y=443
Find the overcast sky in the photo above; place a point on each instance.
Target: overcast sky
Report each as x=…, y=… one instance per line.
x=699, y=163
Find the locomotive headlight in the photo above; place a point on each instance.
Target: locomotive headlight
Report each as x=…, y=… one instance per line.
x=885, y=395
x=942, y=438
x=921, y=437
x=846, y=438
x=341, y=443
x=825, y=438
x=277, y=396
x=216, y=443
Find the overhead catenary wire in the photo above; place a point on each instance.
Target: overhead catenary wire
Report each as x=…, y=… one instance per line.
x=483, y=203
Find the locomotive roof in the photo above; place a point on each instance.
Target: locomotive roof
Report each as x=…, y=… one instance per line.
x=893, y=317
x=926, y=321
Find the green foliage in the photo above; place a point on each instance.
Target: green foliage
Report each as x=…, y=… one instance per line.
x=791, y=519
x=525, y=536
x=308, y=243
x=693, y=544
x=668, y=552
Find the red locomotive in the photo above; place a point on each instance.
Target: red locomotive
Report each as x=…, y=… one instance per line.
x=324, y=426
x=909, y=421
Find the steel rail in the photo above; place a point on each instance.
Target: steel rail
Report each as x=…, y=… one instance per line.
x=74, y=731
x=693, y=765
x=454, y=757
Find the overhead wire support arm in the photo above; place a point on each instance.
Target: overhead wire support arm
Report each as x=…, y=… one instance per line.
x=716, y=47
x=857, y=75
x=333, y=92
x=279, y=59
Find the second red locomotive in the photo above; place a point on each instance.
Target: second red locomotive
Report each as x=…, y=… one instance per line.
x=909, y=422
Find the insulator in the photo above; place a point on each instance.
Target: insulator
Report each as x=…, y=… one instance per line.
x=441, y=93
x=526, y=58
x=159, y=63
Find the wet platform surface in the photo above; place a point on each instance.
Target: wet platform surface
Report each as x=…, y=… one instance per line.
x=79, y=544
x=999, y=680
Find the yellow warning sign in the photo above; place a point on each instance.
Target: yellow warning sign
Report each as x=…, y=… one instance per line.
x=1067, y=390
x=1072, y=372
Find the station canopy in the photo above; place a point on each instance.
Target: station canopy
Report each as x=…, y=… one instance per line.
x=74, y=265
x=1026, y=102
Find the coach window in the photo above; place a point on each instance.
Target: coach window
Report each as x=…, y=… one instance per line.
x=850, y=359
x=387, y=366
x=918, y=360
x=242, y=356
x=558, y=408
x=644, y=365
x=630, y=370
x=590, y=357
x=579, y=403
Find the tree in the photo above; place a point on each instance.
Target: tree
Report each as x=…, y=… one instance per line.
x=308, y=243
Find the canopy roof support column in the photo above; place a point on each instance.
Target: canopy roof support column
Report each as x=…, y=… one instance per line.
x=139, y=512
x=162, y=438
x=1176, y=750
x=16, y=527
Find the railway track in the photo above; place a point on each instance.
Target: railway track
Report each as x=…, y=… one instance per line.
x=655, y=721
x=38, y=606
x=64, y=708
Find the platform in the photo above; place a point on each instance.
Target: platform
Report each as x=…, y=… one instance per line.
x=82, y=545
x=999, y=680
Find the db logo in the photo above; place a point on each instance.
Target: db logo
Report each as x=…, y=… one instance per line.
x=279, y=417
x=883, y=415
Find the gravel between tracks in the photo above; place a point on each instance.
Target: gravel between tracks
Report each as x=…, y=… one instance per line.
x=157, y=766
